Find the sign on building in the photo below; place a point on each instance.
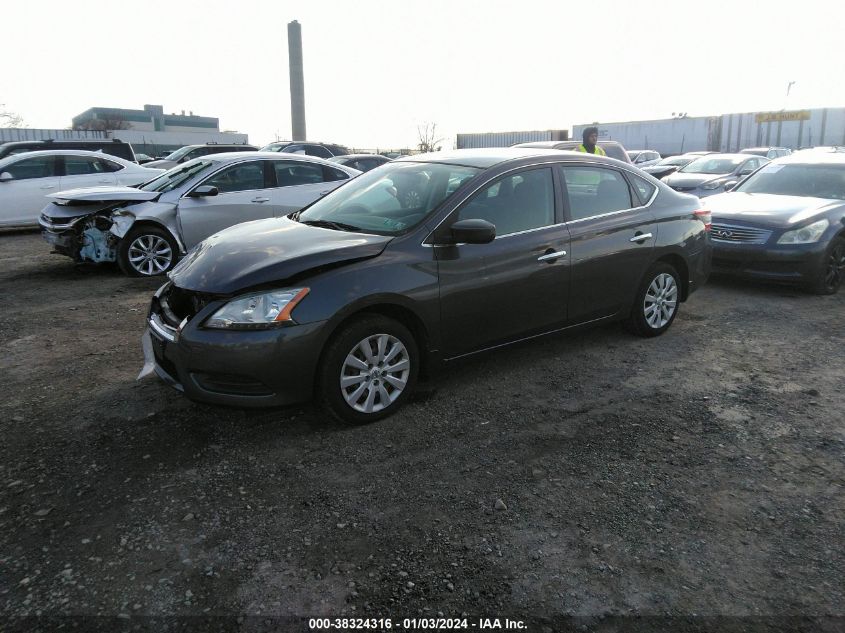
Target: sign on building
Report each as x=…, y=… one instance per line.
x=792, y=115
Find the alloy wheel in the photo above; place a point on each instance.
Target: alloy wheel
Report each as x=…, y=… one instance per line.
x=661, y=301
x=375, y=373
x=150, y=254
x=835, y=266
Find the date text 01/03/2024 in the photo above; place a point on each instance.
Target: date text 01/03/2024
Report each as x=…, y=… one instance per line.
x=410, y=624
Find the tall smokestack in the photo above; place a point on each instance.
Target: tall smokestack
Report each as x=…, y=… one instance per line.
x=297, y=82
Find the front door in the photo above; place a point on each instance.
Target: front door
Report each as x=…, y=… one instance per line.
x=23, y=197
x=518, y=284
x=244, y=195
x=613, y=236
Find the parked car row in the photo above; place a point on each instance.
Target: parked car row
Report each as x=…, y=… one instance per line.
x=292, y=276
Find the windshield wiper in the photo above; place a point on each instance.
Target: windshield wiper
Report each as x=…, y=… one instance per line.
x=337, y=226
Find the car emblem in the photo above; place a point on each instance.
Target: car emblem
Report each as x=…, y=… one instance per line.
x=723, y=233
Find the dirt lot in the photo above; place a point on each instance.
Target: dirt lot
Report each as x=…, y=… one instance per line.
x=699, y=474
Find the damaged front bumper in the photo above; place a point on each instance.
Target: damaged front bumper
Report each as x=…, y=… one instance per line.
x=257, y=368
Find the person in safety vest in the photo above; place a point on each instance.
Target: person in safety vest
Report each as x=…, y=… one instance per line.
x=590, y=137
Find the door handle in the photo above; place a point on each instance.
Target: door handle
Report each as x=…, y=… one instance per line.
x=260, y=200
x=641, y=237
x=550, y=256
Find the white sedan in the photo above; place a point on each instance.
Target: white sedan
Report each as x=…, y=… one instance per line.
x=25, y=179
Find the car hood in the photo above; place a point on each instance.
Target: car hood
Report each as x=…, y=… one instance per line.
x=679, y=179
x=767, y=209
x=268, y=251
x=105, y=194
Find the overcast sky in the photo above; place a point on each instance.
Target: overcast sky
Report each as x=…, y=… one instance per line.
x=375, y=71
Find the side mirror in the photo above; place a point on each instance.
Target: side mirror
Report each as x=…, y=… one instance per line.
x=6, y=177
x=204, y=191
x=473, y=231
x=730, y=185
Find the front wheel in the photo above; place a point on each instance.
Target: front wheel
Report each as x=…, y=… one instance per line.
x=656, y=303
x=147, y=251
x=830, y=276
x=369, y=369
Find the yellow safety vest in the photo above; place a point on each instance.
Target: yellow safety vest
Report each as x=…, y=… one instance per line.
x=599, y=151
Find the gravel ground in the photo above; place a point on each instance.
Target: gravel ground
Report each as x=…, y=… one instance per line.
x=596, y=475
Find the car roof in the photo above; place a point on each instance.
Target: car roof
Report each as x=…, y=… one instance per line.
x=572, y=142
x=357, y=156
x=253, y=155
x=63, y=152
x=811, y=158
x=484, y=158
x=730, y=155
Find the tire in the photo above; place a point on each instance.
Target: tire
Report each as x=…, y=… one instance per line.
x=136, y=246
x=366, y=396
x=830, y=276
x=657, y=302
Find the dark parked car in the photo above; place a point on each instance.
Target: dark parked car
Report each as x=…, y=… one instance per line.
x=669, y=165
x=361, y=162
x=359, y=293
x=114, y=147
x=320, y=150
x=611, y=148
x=785, y=223
x=713, y=173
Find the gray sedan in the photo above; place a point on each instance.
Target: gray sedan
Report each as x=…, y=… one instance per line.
x=146, y=230
x=714, y=173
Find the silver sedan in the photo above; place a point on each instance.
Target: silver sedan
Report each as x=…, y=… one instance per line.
x=146, y=230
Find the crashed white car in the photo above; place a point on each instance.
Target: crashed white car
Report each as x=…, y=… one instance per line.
x=147, y=229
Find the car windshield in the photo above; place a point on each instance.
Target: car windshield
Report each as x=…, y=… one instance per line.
x=273, y=147
x=175, y=177
x=707, y=165
x=389, y=200
x=179, y=153
x=818, y=181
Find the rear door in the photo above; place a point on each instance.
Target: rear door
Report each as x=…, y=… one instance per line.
x=23, y=197
x=85, y=171
x=299, y=183
x=515, y=286
x=244, y=195
x=613, y=234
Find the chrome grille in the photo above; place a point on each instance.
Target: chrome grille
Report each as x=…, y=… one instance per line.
x=739, y=234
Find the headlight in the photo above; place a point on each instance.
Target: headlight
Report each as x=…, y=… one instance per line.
x=806, y=234
x=257, y=311
x=713, y=184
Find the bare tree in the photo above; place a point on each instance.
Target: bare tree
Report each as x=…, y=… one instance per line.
x=104, y=123
x=9, y=118
x=429, y=142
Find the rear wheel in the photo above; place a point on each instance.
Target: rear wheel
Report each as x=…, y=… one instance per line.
x=656, y=303
x=147, y=251
x=369, y=369
x=830, y=276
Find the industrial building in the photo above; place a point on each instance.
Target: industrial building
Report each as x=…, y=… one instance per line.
x=506, y=139
x=151, y=119
x=723, y=133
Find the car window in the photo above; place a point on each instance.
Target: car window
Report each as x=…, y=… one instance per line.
x=240, y=177
x=643, y=189
x=292, y=173
x=514, y=203
x=749, y=166
x=196, y=153
x=41, y=167
x=330, y=174
x=317, y=150
x=178, y=176
x=594, y=190
x=108, y=165
x=83, y=165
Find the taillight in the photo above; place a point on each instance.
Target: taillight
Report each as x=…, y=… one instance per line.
x=705, y=216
